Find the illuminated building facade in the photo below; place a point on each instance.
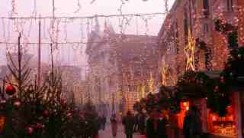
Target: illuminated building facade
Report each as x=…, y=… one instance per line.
x=137, y=63
x=197, y=18
x=101, y=77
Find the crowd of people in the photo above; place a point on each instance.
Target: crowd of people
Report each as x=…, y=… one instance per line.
x=154, y=124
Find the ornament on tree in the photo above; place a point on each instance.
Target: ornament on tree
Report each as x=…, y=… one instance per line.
x=69, y=115
x=63, y=101
x=45, y=113
x=17, y=103
x=216, y=88
x=2, y=104
x=39, y=126
x=10, y=90
x=29, y=130
x=222, y=80
x=3, y=101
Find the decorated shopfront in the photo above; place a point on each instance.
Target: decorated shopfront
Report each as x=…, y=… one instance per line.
x=242, y=112
x=217, y=102
x=225, y=116
x=224, y=125
x=218, y=95
x=192, y=89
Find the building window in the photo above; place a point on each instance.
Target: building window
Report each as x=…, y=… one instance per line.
x=185, y=21
x=229, y=5
x=233, y=39
x=194, y=6
x=177, y=37
x=205, y=28
x=185, y=29
x=206, y=8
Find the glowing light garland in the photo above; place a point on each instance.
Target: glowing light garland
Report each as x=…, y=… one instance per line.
x=84, y=17
x=151, y=84
x=55, y=23
x=13, y=10
x=78, y=6
x=190, y=52
x=164, y=75
x=143, y=91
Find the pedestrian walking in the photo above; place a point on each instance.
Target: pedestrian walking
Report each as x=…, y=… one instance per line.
x=192, y=126
x=99, y=122
x=103, y=121
x=141, y=123
x=161, y=131
x=128, y=122
x=114, y=125
x=151, y=126
x=136, y=122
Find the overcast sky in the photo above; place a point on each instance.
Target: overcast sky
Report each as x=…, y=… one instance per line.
x=68, y=7
x=71, y=8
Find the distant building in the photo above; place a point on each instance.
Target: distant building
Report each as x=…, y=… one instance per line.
x=3, y=71
x=119, y=65
x=101, y=70
x=71, y=81
x=136, y=58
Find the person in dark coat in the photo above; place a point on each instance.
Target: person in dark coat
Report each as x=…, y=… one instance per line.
x=114, y=125
x=103, y=121
x=162, y=121
x=192, y=126
x=141, y=123
x=151, y=126
x=136, y=122
x=128, y=122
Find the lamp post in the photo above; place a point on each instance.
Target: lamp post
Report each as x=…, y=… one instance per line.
x=113, y=103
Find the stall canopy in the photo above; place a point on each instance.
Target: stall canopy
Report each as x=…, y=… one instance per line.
x=238, y=85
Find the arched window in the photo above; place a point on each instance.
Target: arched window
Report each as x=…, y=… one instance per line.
x=229, y=5
x=206, y=8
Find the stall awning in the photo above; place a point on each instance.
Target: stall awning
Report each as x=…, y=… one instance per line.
x=239, y=85
x=213, y=74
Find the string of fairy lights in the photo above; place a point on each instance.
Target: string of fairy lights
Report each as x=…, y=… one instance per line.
x=56, y=31
x=59, y=28
x=19, y=24
x=55, y=22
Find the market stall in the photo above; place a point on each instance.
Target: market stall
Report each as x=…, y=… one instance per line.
x=224, y=125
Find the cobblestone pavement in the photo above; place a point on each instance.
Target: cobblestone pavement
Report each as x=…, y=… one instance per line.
x=107, y=133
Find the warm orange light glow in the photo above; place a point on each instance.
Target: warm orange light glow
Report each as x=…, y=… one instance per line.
x=187, y=108
x=2, y=122
x=214, y=118
x=164, y=74
x=231, y=118
x=184, y=108
x=185, y=104
x=225, y=125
